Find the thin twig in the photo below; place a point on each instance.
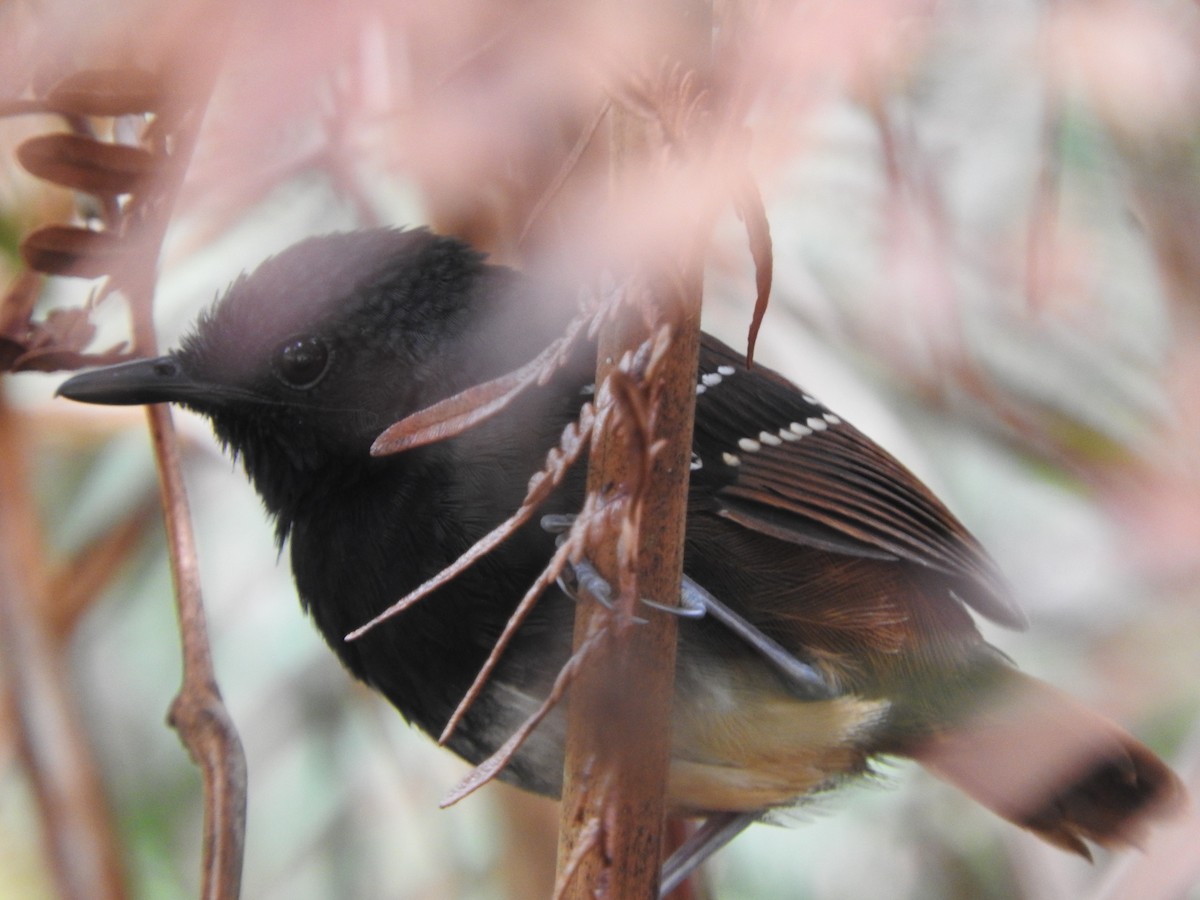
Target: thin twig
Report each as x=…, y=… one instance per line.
x=554, y=568
x=494, y=764
x=198, y=712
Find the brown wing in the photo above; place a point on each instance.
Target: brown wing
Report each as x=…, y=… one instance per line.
x=782, y=464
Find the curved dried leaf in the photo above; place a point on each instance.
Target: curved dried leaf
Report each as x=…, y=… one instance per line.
x=464, y=410
x=78, y=252
x=750, y=207
x=84, y=164
x=477, y=551
x=451, y=416
x=575, y=439
x=107, y=92
x=549, y=575
x=498, y=761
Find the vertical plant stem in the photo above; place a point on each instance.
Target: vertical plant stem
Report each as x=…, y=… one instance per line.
x=618, y=739
x=198, y=712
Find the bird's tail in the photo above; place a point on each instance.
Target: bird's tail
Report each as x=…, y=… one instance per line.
x=1047, y=763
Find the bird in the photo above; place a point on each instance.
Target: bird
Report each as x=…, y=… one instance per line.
x=836, y=595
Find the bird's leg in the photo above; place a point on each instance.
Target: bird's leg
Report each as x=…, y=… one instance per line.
x=695, y=603
x=714, y=833
x=809, y=683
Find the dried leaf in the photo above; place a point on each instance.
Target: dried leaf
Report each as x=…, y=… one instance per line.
x=69, y=328
x=588, y=526
x=496, y=763
x=456, y=414
x=549, y=574
x=63, y=250
x=468, y=408
x=83, y=164
x=477, y=551
x=749, y=204
x=107, y=92
x=55, y=343
x=575, y=439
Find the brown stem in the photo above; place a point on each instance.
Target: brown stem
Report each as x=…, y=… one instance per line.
x=198, y=713
x=76, y=824
x=618, y=737
x=618, y=741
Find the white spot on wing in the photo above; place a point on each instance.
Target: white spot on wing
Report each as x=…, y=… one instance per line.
x=710, y=379
x=730, y=460
x=799, y=430
x=749, y=444
x=769, y=439
x=725, y=370
x=817, y=424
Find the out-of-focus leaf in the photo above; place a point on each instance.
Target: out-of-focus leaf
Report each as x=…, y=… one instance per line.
x=63, y=250
x=84, y=164
x=107, y=92
x=55, y=343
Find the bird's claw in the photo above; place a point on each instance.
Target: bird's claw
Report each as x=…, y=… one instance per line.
x=694, y=603
x=585, y=578
x=581, y=577
x=689, y=606
x=557, y=523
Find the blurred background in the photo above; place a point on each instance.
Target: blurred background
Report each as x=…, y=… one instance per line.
x=986, y=234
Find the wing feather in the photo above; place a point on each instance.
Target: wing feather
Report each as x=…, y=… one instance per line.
x=781, y=463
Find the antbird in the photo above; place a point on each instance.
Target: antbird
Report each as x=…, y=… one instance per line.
x=837, y=590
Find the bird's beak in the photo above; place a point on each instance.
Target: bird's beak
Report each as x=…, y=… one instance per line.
x=158, y=380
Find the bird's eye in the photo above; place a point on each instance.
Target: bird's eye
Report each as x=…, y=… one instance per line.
x=301, y=362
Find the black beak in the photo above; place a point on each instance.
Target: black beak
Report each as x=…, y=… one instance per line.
x=158, y=380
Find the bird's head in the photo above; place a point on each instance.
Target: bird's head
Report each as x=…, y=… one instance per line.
x=303, y=362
